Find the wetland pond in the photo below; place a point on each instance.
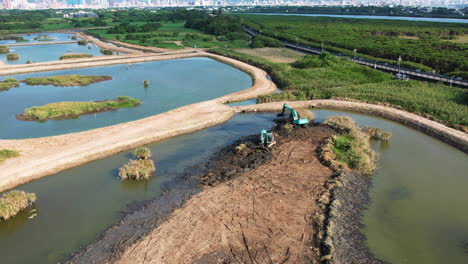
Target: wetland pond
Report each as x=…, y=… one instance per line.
x=415, y=214
x=173, y=84
x=42, y=53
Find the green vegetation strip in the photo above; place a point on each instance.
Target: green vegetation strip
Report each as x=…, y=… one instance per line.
x=68, y=110
x=7, y=153
x=67, y=80
x=350, y=149
x=8, y=83
x=4, y=49
x=75, y=56
x=326, y=77
x=12, y=202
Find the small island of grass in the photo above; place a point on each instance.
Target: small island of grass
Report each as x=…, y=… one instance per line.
x=12, y=202
x=75, y=56
x=7, y=153
x=4, y=49
x=68, y=80
x=8, y=83
x=69, y=110
x=12, y=56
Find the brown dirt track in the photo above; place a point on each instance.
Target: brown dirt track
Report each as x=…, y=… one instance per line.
x=262, y=216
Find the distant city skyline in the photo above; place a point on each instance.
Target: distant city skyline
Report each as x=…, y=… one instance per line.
x=57, y=4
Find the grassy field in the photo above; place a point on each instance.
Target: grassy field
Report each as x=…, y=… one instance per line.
x=171, y=36
x=67, y=80
x=75, y=56
x=327, y=78
x=282, y=55
x=7, y=153
x=68, y=110
x=422, y=45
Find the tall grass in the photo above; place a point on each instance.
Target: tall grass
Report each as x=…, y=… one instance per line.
x=64, y=110
x=344, y=79
x=13, y=202
x=4, y=49
x=12, y=56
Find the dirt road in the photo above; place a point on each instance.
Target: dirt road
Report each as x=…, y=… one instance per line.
x=262, y=216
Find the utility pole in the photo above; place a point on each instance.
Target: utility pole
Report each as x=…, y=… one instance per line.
x=399, y=62
x=322, y=46
x=355, y=53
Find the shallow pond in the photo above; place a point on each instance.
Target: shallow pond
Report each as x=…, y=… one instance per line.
x=41, y=53
x=173, y=84
x=417, y=212
x=54, y=37
x=76, y=205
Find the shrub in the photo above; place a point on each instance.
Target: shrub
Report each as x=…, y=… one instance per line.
x=142, y=153
x=141, y=169
x=82, y=42
x=12, y=56
x=260, y=41
x=146, y=83
x=341, y=123
x=13, y=202
x=74, y=38
x=4, y=49
x=106, y=52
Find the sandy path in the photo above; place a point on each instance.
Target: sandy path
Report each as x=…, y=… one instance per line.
x=103, y=45
x=263, y=216
x=449, y=135
x=44, y=156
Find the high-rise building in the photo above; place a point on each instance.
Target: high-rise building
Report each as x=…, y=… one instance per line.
x=7, y=4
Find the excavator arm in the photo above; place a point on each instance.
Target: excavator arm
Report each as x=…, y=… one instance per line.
x=296, y=119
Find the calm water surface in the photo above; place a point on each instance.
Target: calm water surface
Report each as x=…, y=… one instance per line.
x=55, y=37
x=76, y=205
x=173, y=84
x=417, y=212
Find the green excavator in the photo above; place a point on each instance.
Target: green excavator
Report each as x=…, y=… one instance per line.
x=267, y=138
x=294, y=116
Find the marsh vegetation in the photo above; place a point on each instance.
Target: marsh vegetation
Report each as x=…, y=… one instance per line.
x=12, y=202
x=12, y=56
x=7, y=153
x=75, y=56
x=141, y=168
x=67, y=110
x=67, y=80
x=8, y=83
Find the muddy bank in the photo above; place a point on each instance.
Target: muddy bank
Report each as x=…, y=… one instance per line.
x=440, y=131
x=350, y=198
x=263, y=215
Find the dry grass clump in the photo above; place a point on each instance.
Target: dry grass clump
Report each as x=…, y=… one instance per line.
x=13, y=202
x=306, y=113
x=67, y=80
x=140, y=169
x=350, y=149
x=142, y=153
x=82, y=42
x=12, y=56
x=4, y=49
x=377, y=134
x=341, y=123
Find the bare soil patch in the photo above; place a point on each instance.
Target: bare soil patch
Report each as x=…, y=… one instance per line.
x=279, y=55
x=261, y=216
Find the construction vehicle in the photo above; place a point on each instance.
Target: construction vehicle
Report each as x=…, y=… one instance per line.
x=267, y=138
x=294, y=116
